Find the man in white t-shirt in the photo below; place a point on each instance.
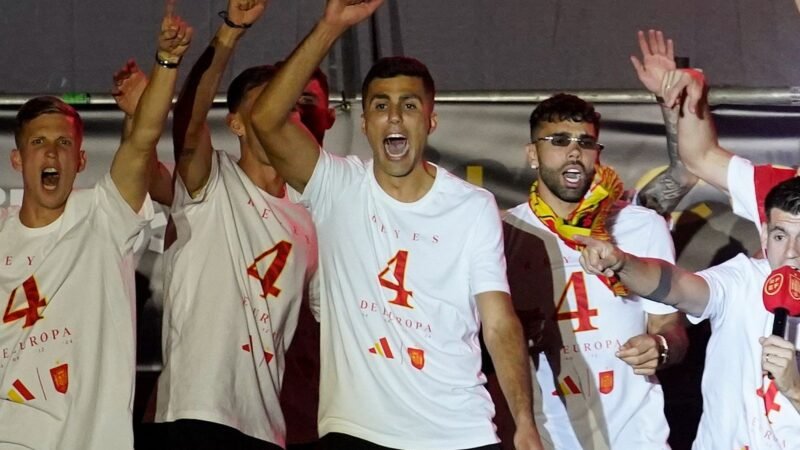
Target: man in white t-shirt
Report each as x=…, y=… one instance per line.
x=237, y=271
x=595, y=349
x=742, y=407
x=67, y=337
x=411, y=265
x=746, y=184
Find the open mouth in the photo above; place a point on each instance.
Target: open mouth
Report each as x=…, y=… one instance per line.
x=573, y=177
x=50, y=177
x=395, y=146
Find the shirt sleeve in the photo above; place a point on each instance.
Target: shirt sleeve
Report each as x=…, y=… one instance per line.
x=115, y=216
x=331, y=176
x=725, y=284
x=487, y=270
x=741, y=186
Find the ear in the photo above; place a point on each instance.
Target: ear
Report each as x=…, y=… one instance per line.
x=532, y=155
x=81, y=160
x=764, y=235
x=363, y=124
x=235, y=124
x=434, y=122
x=16, y=160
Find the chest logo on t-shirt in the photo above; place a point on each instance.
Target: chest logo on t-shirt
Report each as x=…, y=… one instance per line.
x=33, y=302
x=276, y=258
x=398, y=267
x=566, y=386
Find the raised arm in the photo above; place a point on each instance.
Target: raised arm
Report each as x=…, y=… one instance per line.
x=504, y=340
x=650, y=278
x=129, y=84
x=132, y=163
x=666, y=190
x=699, y=147
x=190, y=132
x=290, y=147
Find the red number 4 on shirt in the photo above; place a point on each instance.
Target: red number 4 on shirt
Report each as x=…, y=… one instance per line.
x=398, y=267
x=281, y=252
x=583, y=314
x=34, y=301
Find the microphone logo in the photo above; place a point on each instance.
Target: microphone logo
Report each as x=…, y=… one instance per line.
x=794, y=287
x=773, y=283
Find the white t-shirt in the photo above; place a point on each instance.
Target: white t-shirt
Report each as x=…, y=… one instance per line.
x=68, y=358
x=235, y=279
x=745, y=203
x=742, y=190
x=400, y=357
x=734, y=404
x=584, y=396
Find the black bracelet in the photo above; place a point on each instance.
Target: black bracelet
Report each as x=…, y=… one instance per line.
x=228, y=22
x=166, y=63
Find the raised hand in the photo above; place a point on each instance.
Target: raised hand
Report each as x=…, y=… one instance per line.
x=600, y=257
x=778, y=357
x=246, y=12
x=680, y=82
x=641, y=353
x=129, y=83
x=175, y=35
x=346, y=13
x=658, y=58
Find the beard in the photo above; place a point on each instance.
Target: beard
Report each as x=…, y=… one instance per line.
x=554, y=180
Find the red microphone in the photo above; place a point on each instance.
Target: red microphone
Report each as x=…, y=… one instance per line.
x=782, y=296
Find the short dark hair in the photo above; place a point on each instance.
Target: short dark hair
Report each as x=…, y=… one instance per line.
x=259, y=75
x=784, y=196
x=45, y=104
x=395, y=66
x=249, y=79
x=561, y=107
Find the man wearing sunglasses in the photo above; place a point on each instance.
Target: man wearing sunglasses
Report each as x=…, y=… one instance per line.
x=594, y=348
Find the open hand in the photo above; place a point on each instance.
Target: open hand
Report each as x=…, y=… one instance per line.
x=658, y=58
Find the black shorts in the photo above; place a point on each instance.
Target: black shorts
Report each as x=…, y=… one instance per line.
x=187, y=434
x=339, y=441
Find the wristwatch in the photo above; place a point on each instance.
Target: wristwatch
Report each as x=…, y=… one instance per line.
x=663, y=349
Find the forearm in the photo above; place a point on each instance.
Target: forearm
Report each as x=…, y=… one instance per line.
x=665, y=283
x=152, y=111
x=200, y=88
x=272, y=109
x=127, y=126
x=506, y=346
x=699, y=147
x=665, y=191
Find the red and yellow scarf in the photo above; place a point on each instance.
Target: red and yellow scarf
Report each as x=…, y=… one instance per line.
x=588, y=219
